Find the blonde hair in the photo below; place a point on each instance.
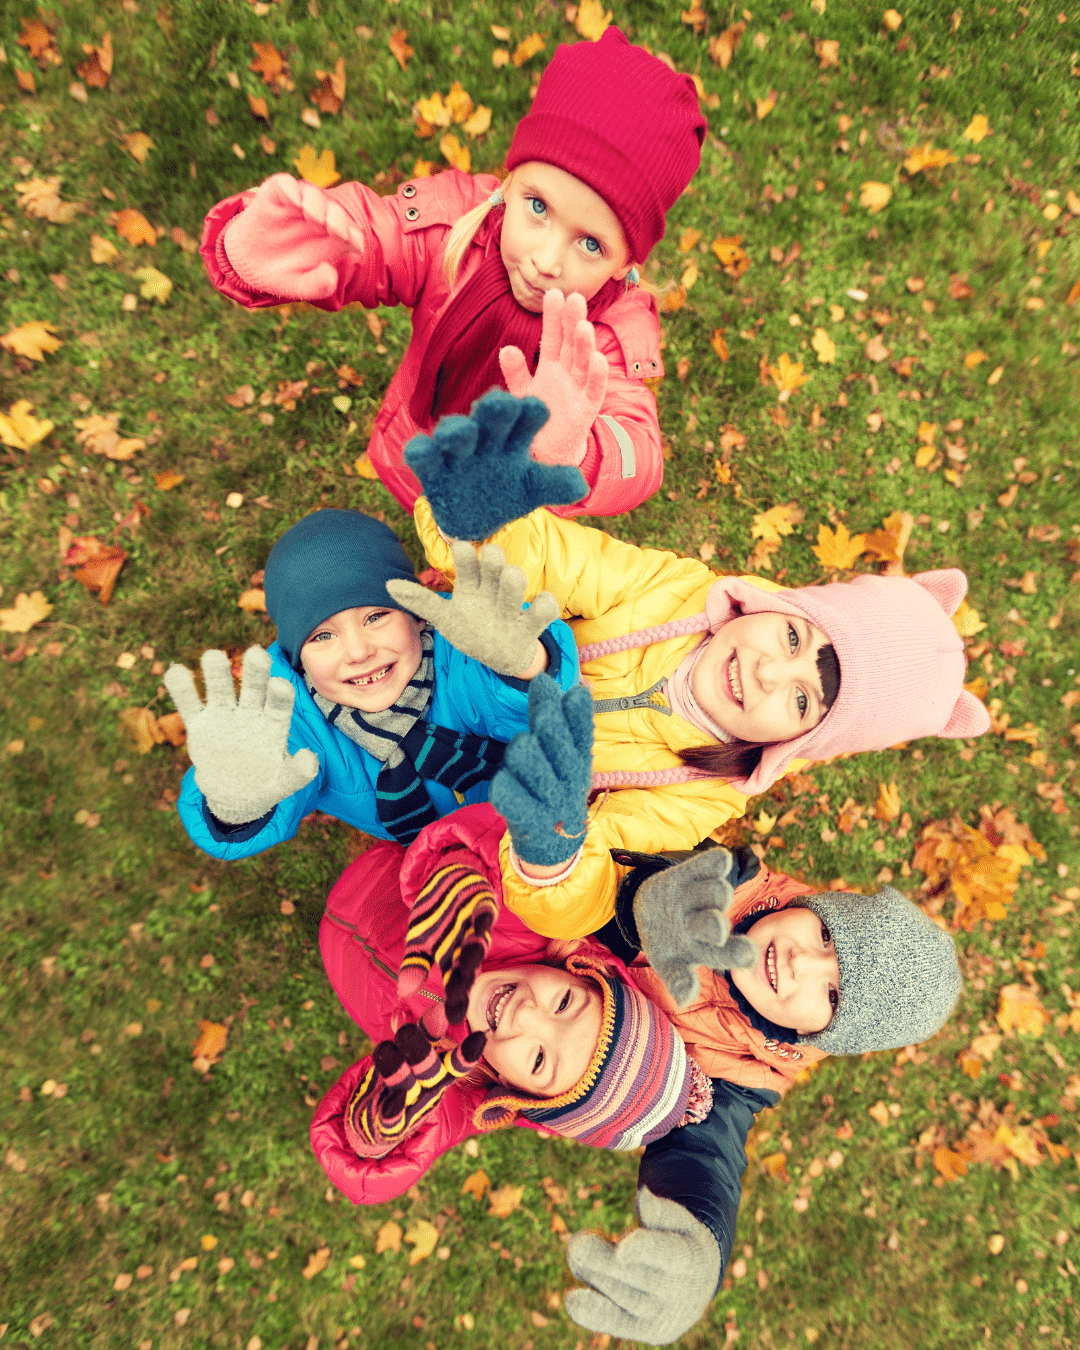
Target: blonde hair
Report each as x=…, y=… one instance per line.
x=463, y=232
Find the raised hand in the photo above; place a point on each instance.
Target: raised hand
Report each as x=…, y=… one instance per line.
x=240, y=748
x=571, y=378
x=681, y=920
x=543, y=786
x=654, y=1284
x=405, y=1079
x=477, y=472
x=484, y=617
x=450, y=926
x=289, y=238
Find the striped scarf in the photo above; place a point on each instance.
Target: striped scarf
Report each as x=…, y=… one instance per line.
x=410, y=750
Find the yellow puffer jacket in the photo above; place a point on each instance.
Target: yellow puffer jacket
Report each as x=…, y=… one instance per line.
x=608, y=588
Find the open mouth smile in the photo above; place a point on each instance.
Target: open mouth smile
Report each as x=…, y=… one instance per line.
x=735, y=680
x=770, y=965
x=496, y=1003
x=375, y=676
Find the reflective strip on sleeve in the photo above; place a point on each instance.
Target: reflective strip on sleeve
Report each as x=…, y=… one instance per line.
x=629, y=466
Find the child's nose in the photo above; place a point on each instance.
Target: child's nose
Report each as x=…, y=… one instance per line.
x=547, y=258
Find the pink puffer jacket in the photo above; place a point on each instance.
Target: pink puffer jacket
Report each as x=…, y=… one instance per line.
x=363, y=940
x=624, y=462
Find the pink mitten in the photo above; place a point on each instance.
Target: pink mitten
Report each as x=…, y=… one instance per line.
x=288, y=240
x=571, y=378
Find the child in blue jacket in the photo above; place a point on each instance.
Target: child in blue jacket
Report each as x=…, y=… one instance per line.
x=359, y=709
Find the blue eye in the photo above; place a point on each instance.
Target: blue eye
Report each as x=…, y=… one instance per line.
x=792, y=638
x=801, y=703
x=379, y=614
x=592, y=245
x=536, y=205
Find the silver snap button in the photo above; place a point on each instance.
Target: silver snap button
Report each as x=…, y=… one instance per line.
x=412, y=213
x=409, y=190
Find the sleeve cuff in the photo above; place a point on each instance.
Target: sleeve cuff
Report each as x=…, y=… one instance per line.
x=515, y=863
x=222, y=832
x=554, y=654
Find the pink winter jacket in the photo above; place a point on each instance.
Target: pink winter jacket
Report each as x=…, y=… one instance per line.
x=363, y=940
x=402, y=264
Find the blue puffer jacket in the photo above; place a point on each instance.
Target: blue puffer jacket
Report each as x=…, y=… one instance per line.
x=468, y=697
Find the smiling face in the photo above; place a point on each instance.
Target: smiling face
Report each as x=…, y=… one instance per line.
x=363, y=657
x=542, y=1026
x=558, y=234
x=796, y=980
x=758, y=677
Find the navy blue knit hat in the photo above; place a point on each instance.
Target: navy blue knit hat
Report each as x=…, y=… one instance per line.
x=330, y=561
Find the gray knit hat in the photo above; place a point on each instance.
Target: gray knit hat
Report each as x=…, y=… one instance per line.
x=899, y=976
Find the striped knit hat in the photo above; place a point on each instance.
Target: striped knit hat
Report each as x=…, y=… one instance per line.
x=639, y=1084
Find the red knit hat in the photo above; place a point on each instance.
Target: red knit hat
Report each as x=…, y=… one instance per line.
x=621, y=121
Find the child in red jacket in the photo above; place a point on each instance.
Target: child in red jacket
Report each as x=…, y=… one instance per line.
x=502, y=277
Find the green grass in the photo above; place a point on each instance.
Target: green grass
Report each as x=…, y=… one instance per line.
x=108, y=926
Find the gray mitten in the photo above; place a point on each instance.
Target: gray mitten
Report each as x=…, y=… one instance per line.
x=240, y=748
x=484, y=616
x=682, y=924
x=654, y=1284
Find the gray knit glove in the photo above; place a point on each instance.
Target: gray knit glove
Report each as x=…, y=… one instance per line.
x=484, y=618
x=654, y=1284
x=682, y=924
x=240, y=748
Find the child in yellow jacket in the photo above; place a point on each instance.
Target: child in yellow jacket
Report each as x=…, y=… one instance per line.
x=705, y=689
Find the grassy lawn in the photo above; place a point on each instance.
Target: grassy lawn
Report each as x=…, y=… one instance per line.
x=927, y=1201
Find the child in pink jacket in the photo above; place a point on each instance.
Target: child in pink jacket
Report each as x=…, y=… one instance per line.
x=529, y=283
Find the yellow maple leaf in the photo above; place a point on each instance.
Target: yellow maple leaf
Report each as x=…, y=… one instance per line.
x=316, y=1262
x=155, y=285
x=477, y=123
x=1019, y=1010
x=388, y=1238
x=825, y=347
x=875, y=196
x=723, y=47
x=592, y=19
x=19, y=429
x=926, y=157
x=28, y=610
x=476, y=1184
x=888, y=544
x=138, y=145
x=459, y=102
x=504, y=1201
x=887, y=806
x=429, y=113
x=764, y=823
x=527, y=49
x=788, y=376
x=977, y=129
x=838, y=551
x=777, y=522
x=966, y=620
x=318, y=169
x=31, y=340
x=424, y=1236
x=102, y=250
x=455, y=153
x=500, y=57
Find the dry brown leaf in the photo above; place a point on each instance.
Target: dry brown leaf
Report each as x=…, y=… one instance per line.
x=38, y=37
x=887, y=545
x=99, y=436
x=879, y=1112
x=141, y=726
x=40, y=198
x=827, y=51
x=96, y=565
x=102, y=250
x=876, y=350
x=330, y=94
x=98, y=68
x=733, y=258
x=171, y=726
x=138, y=145
x=718, y=344
x=399, y=48
x=271, y=66
x=167, y=479
x=476, y=1184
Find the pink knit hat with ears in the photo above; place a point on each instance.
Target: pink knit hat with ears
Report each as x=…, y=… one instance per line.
x=901, y=663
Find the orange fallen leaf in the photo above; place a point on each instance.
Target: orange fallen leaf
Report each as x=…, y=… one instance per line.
x=96, y=565
x=764, y=106
x=31, y=340
x=455, y=153
x=925, y=157
x=210, y=1044
x=977, y=129
x=99, y=436
x=38, y=37
x=838, y=551
x=1020, y=1010
x=887, y=806
x=141, y=726
x=330, y=94
x=476, y=1183
x=459, y=102
x=876, y=350
x=970, y=1064
x=171, y=726
x=40, y=198
x=788, y=376
x=1074, y=293
x=879, y=1112
x=733, y=258
x=950, y=1163
x=504, y=1201
x=25, y=80
x=316, y=1262
x=271, y=66
x=258, y=107
x=399, y=48
x=98, y=68
x=775, y=1165
x=887, y=545
x=167, y=479
x=827, y=51
x=135, y=228
x=527, y=49
x=253, y=601
x=718, y=344
x=138, y=145
x=724, y=46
